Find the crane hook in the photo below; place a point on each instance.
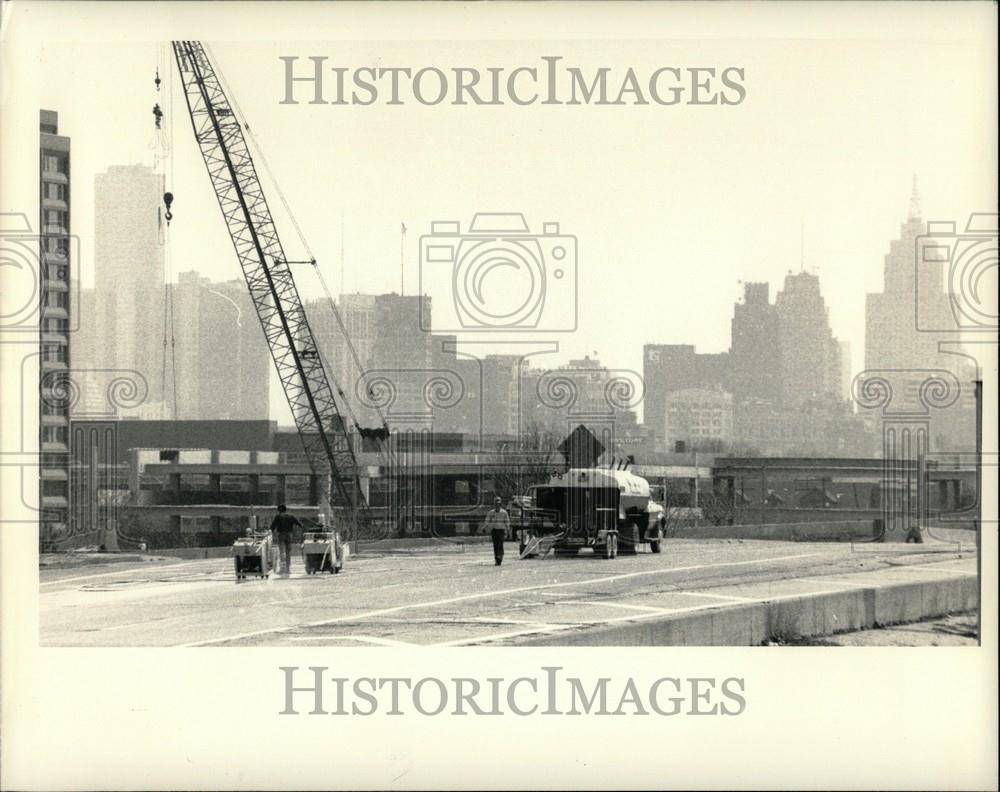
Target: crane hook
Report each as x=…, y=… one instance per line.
x=168, y=199
x=157, y=80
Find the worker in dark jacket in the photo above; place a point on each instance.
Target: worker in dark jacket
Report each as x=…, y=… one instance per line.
x=498, y=524
x=283, y=525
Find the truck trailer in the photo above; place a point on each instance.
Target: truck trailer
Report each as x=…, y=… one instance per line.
x=606, y=509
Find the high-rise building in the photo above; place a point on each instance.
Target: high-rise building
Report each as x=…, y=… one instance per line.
x=91, y=388
x=892, y=340
x=401, y=352
x=459, y=380
x=346, y=338
x=671, y=367
x=761, y=428
x=501, y=397
x=700, y=418
x=219, y=365
x=54, y=338
x=755, y=350
x=580, y=392
x=810, y=355
x=907, y=356
x=129, y=230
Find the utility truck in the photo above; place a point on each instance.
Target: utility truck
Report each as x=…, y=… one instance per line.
x=606, y=509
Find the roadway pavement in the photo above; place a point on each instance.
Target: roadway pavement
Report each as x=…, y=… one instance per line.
x=455, y=595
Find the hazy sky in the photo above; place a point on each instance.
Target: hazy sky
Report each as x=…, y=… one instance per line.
x=671, y=206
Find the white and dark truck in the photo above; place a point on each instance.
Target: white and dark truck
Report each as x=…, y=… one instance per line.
x=606, y=509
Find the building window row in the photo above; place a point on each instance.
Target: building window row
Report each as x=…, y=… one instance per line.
x=55, y=434
x=56, y=192
x=51, y=460
x=58, y=218
x=56, y=299
x=54, y=163
x=54, y=489
x=58, y=272
x=55, y=352
x=51, y=406
x=55, y=325
x=55, y=245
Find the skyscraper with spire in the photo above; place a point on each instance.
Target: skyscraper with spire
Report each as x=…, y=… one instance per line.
x=892, y=340
x=906, y=356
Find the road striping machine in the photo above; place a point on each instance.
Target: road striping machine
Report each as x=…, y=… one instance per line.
x=254, y=554
x=322, y=550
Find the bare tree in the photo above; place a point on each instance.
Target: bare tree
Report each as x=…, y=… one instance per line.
x=676, y=518
x=716, y=508
x=531, y=459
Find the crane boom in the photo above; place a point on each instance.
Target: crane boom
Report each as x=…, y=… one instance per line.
x=268, y=275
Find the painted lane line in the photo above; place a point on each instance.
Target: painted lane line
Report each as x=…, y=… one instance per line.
x=837, y=582
x=729, y=597
x=490, y=594
x=615, y=605
x=491, y=620
x=634, y=617
x=582, y=623
x=369, y=639
x=147, y=569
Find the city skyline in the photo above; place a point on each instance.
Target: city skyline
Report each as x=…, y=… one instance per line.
x=321, y=314
x=663, y=215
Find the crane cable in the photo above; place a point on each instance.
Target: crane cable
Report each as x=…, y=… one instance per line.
x=163, y=157
x=170, y=165
x=386, y=451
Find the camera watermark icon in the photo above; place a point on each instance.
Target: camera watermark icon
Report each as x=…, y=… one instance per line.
x=35, y=272
x=969, y=261
x=498, y=276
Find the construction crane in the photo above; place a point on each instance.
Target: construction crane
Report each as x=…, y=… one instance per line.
x=268, y=275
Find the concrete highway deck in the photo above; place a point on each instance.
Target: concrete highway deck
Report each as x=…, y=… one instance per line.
x=447, y=595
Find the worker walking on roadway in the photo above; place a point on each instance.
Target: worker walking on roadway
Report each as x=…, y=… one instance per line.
x=498, y=523
x=283, y=525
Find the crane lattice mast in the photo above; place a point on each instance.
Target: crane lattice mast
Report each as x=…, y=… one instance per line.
x=268, y=275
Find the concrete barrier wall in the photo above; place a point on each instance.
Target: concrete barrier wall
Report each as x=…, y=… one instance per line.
x=745, y=515
x=796, y=617
x=832, y=531
x=769, y=515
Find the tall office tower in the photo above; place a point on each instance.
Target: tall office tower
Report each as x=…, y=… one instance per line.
x=755, y=350
x=671, y=367
x=583, y=391
x=401, y=353
x=129, y=230
x=347, y=350
x=892, y=340
x=914, y=294
x=220, y=365
x=810, y=355
x=501, y=394
x=459, y=380
x=699, y=418
x=54, y=339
